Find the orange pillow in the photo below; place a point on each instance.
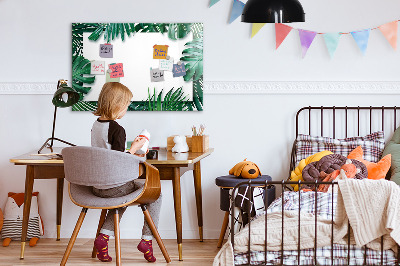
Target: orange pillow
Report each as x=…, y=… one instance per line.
x=375, y=170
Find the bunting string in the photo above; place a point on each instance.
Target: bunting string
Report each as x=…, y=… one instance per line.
x=376, y=28
x=361, y=37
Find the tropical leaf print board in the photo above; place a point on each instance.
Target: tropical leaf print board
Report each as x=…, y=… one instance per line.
x=161, y=63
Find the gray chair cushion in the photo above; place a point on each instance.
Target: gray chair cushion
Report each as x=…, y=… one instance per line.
x=83, y=195
x=99, y=167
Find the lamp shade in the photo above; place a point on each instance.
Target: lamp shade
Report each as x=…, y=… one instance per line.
x=273, y=11
x=65, y=96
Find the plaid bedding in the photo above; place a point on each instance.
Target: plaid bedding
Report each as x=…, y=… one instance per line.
x=322, y=207
x=372, y=145
x=324, y=257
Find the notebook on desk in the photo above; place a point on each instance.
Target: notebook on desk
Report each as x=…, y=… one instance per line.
x=52, y=155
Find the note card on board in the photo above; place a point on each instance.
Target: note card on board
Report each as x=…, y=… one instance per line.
x=117, y=70
x=110, y=79
x=156, y=75
x=97, y=68
x=166, y=64
x=179, y=70
x=160, y=51
x=106, y=50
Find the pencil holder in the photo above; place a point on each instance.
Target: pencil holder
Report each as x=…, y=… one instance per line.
x=200, y=143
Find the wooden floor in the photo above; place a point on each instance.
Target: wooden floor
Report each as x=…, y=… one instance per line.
x=50, y=252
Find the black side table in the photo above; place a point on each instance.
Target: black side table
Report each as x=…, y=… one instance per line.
x=226, y=183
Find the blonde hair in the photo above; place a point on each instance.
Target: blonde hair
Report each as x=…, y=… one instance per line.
x=113, y=97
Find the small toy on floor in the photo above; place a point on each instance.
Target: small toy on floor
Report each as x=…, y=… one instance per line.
x=13, y=215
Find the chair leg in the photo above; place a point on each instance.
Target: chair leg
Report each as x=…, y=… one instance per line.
x=117, y=239
x=101, y=222
x=154, y=230
x=223, y=229
x=73, y=237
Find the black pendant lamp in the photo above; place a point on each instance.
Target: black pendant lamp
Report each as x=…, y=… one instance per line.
x=273, y=11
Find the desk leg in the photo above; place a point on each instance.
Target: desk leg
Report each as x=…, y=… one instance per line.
x=176, y=182
x=199, y=204
x=27, y=206
x=60, y=190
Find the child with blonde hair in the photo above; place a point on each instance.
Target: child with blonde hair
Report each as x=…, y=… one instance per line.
x=113, y=103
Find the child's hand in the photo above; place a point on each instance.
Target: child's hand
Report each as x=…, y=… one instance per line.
x=137, y=144
x=142, y=155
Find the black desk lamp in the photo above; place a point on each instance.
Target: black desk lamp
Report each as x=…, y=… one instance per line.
x=63, y=97
x=273, y=11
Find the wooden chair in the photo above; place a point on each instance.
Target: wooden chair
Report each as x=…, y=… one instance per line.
x=85, y=167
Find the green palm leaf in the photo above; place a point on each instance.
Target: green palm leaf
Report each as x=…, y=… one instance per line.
x=84, y=106
x=81, y=74
x=198, y=94
x=151, y=27
x=178, y=30
x=112, y=31
x=174, y=100
x=77, y=35
x=193, y=58
x=197, y=29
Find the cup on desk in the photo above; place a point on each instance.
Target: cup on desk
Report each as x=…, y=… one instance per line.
x=152, y=155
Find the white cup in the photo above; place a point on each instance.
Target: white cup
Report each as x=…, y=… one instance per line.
x=144, y=134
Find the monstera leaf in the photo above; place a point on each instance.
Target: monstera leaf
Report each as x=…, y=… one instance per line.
x=178, y=30
x=81, y=74
x=193, y=59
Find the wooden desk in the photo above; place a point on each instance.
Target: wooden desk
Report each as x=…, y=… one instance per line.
x=171, y=167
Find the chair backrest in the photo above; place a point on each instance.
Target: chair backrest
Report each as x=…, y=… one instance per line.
x=92, y=166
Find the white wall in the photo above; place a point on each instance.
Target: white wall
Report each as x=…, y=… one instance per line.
x=35, y=46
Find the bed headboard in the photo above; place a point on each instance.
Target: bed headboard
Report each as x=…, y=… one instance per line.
x=344, y=121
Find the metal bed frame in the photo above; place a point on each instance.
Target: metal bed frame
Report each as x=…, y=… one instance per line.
x=283, y=184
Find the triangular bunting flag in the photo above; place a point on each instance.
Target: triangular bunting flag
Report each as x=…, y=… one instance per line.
x=389, y=30
x=332, y=41
x=361, y=37
x=213, y=2
x=237, y=9
x=306, y=39
x=256, y=28
x=281, y=31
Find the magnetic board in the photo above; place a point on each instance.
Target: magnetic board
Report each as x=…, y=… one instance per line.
x=161, y=63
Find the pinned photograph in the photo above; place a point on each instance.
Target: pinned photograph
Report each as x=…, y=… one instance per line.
x=156, y=75
x=106, y=50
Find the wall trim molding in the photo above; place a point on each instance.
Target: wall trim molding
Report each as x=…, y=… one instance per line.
x=28, y=88
x=302, y=87
x=245, y=87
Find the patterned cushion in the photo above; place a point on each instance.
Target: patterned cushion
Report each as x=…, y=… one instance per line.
x=372, y=144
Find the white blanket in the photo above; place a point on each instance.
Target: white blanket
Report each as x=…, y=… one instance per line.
x=371, y=206
x=373, y=209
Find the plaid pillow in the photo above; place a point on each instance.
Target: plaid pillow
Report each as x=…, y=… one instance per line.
x=372, y=145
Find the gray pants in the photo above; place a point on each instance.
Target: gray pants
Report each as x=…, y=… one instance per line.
x=154, y=208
